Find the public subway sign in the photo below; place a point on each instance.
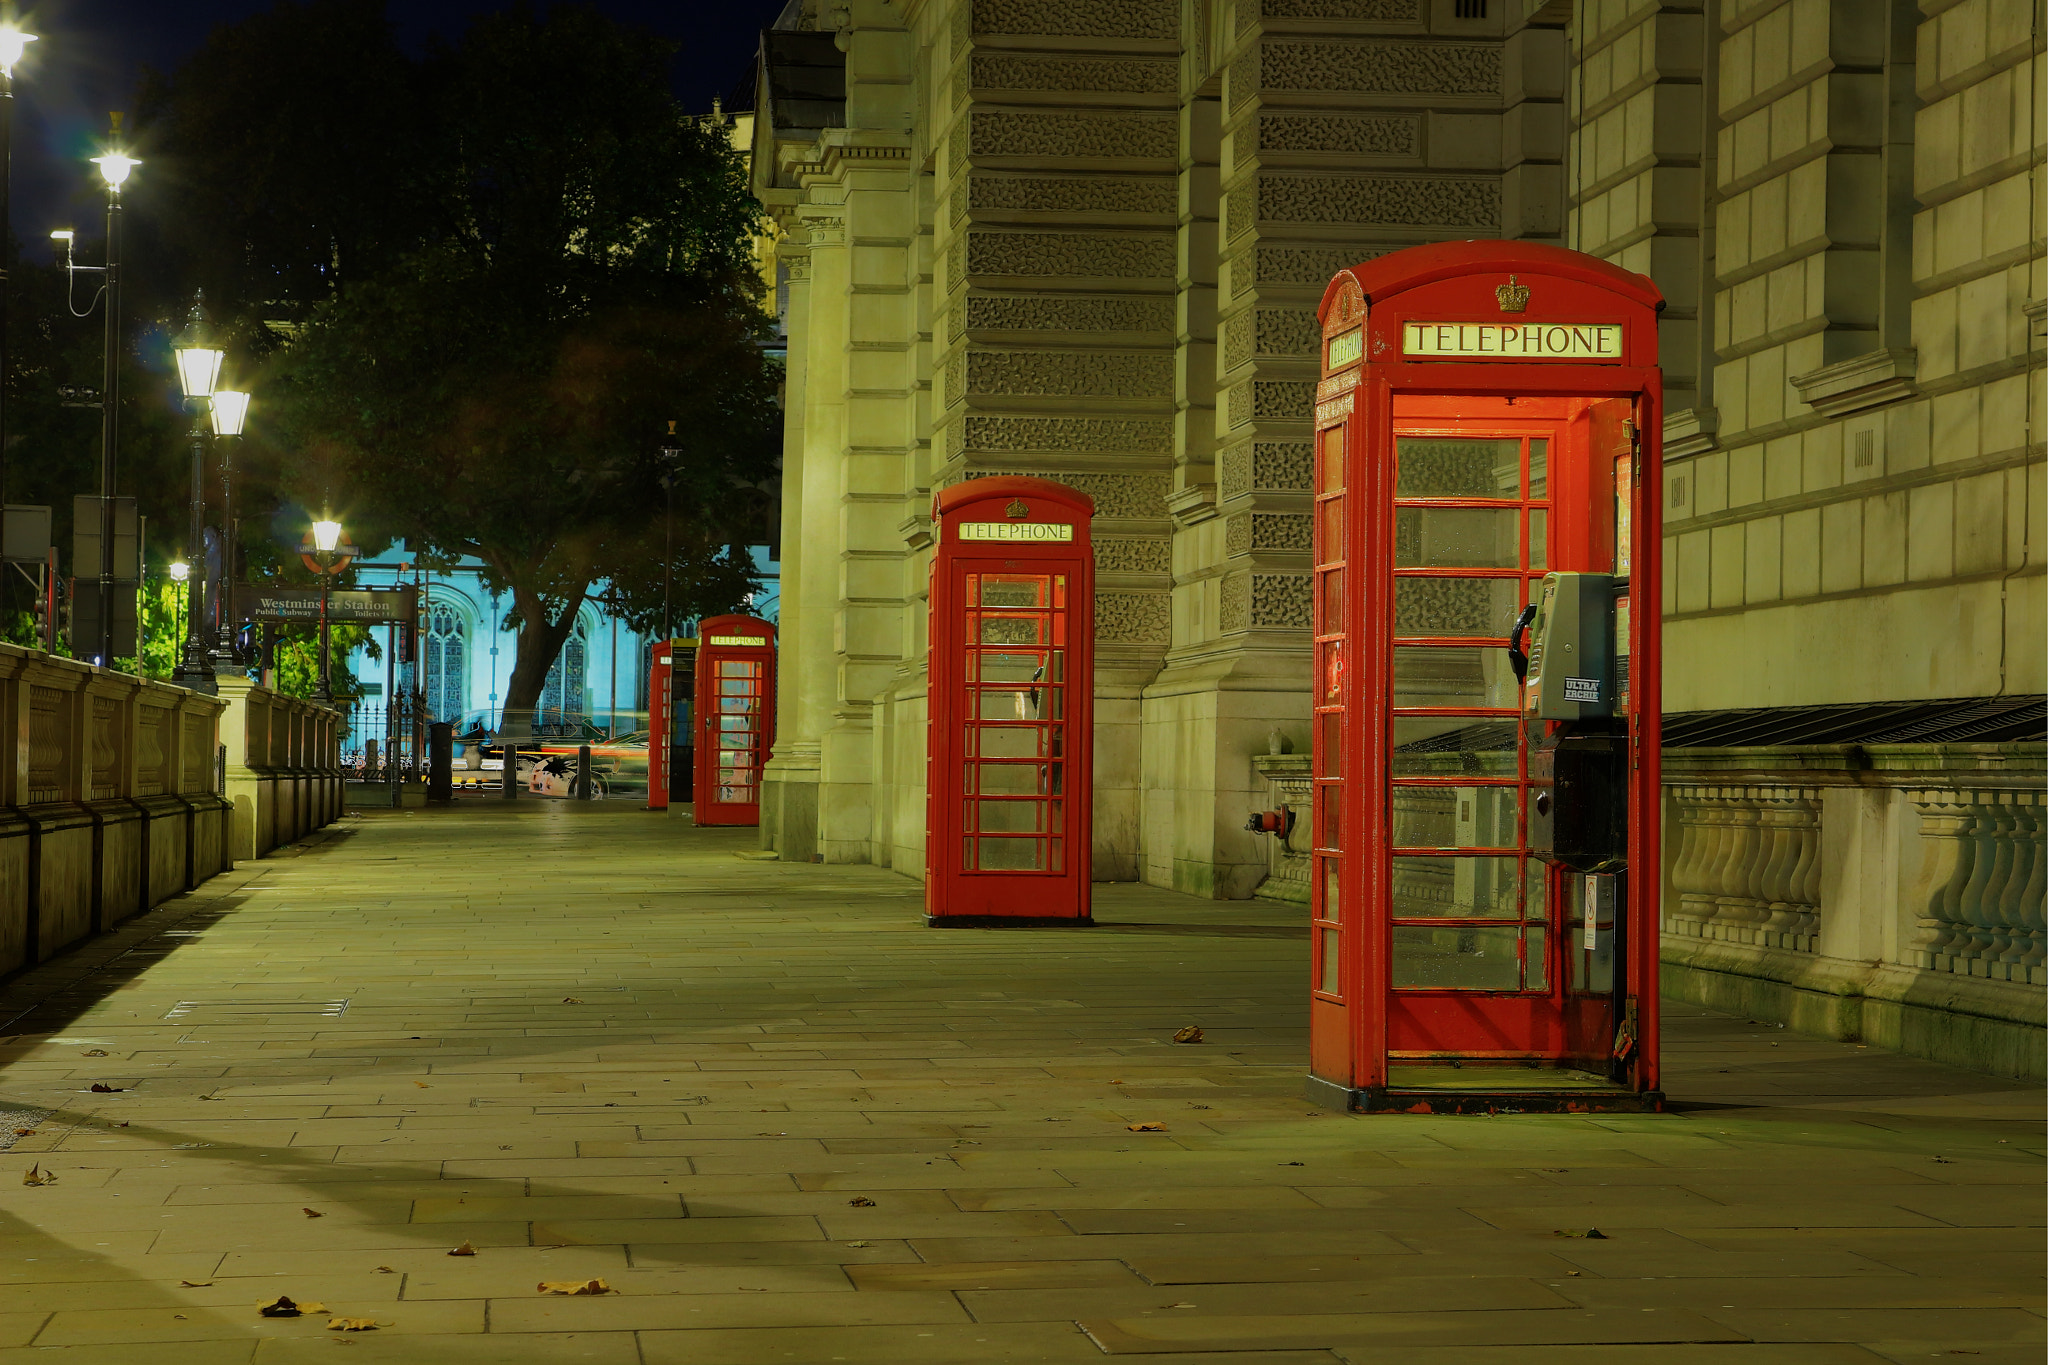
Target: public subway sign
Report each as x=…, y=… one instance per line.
x=1513, y=340
x=1015, y=530
x=363, y=606
x=738, y=640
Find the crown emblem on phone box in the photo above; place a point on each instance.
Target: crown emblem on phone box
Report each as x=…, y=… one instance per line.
x=1513, y=297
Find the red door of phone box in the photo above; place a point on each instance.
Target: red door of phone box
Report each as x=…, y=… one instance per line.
x=670, y=694
x=735, y=718
x=1010, y=750
x=1489, y=412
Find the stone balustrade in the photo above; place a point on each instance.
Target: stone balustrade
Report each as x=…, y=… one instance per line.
x=1746, y=867
x=111, y=793
x=1982, y=886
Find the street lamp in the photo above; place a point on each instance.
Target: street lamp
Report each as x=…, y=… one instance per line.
x=326, y=539
x=180, y=571
x=199, y=362
x=230, y=411
x=13, y=42
x=115, y=166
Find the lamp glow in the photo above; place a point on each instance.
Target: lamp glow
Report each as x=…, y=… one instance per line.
x=230, y=411
x=199, y=369
x=62, y=235
x=13, y=42
x=326, y=536
x=180, y=571
x=114, y=168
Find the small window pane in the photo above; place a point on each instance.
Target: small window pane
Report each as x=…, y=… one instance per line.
x=1456, y=817
x=1536, y=890
x=1012, y=630
x=1329, y=815
x=1539, y=539
x=1451, y=675
x=1331, y=582
x=1434, y=467
x=1013, y=590
x=1456, y=538
x=1330, y=463
x=1470, y=887
x=1456, y=606
x=1010, y=779
x=1330, y=530
x=1539, y=471
x=1329, y=971
x=1011, y=817
x=1453, y=746
x=993, y=665
x=1008, y=741
x=1011, y=855
x=1332, y=905
x=1331, y=672
x=1459, y=958
x=1330, y=736
x=1535, y=965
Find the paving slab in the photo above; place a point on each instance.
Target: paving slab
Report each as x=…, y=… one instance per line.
x=784, y=1122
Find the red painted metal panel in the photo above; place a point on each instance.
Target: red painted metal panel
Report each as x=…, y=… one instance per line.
x=735, y=717
x=1011, y=698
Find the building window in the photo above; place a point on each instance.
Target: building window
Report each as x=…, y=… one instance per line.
x=447, y=658
x=562, y=696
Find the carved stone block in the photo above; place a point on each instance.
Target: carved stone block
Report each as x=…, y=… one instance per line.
x=1123, y=555
x=1122, y=497
x=1076, y=134
x=1070, y=374
x=1280, y=600
x=1068, y=19
x=1360, y=135
x=1249, y=12
x=1134, y=618
x=1068, y=436
x=1120, y=255
x=1115, y=75
x=1368, y=66
x=1395, y=201
x=1306, y=265
x=1036, y=313
x=1067, y=194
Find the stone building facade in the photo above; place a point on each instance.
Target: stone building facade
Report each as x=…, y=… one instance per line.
x=1084, y=239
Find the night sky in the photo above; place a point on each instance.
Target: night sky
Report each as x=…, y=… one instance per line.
x=92, y=52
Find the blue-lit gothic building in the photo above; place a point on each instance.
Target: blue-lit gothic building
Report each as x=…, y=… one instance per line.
x=466, y=656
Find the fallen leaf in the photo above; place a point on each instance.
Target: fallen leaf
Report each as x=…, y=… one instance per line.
x=1294, y=1163
x=1575, y=1272
x=1179, y=1305
x=310, y=1213
x=121, y=1125
x=24, y=1132
x=860, y=1244
x=95, y=1052
x=1116, y=1080
x=1145, y=1127
x=860, y=1201
x=423, y=1085
x=1190, y=1034
x=464, y=1250
x=283, y=1307
x=196, y=1284
x=385, y=1270
x=1589, y=1234
x=34, y=1176
x=99, y=1089
x=572, y=1287
x=352, y=1325
x=178, y=1315
x=213, y=1097
x=1200, y=1106
x=571, y=1000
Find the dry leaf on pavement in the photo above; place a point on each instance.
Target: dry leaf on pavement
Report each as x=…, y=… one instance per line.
x=572, y=1287
x=1591, y=1234
x=860, y=1244
x=464, y=1250
x=312, y=1213
x=95, y=1052
x=99, y=1089
x=352, y=1325
x=385, y=1270
x=1190, y=1034
x=283, y=1307
x=1145, y=1127
x=34, y=1175
x=571, y=1000
x=24, y=1132
x=196, y=1284
x=860, y=1201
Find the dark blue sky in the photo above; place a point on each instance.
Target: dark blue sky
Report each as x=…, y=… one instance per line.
x=92, y=52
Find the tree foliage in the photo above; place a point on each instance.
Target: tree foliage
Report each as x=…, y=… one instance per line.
x=531, y=267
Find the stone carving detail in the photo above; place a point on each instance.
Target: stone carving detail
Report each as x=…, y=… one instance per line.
x=1119, y=497
x=956, y=144
x=1244, y=78
x=1132, y=76
x=1066, y=19
x=962, y=31
x=1089, y=374
x=1070, y=435
x=1354, y=135
x=956, y=263
x=1280, y=600
x=1241, y=207
x=1288, y=332
x=1282, y=465
x=1069, y=194
x=1283, y=399
x=1408, y=201
x=1120, y=255
x=1747, y=868
x=1133, y=556
x=1234, y=471
x=956, y=379
x=1296, y=264
x=1249, y=531
x=1358, y=11
x=1234, y=609
x=1237, y=534
x=956, y=323
x=1985, y=867
x=956, y=205
x=1394, y=67
x=1022, y=313
x=1072, y=135
x=799, y=268
x=1237, y=340
x=1134, y=618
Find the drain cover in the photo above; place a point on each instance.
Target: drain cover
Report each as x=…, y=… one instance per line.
x=228, y=1009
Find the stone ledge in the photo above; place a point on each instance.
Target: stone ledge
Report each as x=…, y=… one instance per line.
x=1864, y=381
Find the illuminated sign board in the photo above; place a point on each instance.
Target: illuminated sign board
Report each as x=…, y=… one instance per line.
x=1512, y=340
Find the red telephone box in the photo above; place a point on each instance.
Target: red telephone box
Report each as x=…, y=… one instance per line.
x=671, y=689
x=1009, y=774
x=1486, y=877
x=735, y=717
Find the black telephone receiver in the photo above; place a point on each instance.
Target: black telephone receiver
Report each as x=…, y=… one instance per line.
x=1518, y=659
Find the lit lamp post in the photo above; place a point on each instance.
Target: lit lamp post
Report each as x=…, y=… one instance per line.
x=326, y=539
x=230, y=411
x=180, y=571
x=198, y=371
x=13, y=42
x=115, y=166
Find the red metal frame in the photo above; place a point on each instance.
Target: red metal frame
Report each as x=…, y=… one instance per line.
x=1009, y=778
x=1371, y=1040
x=735, y=720
x=661, y=724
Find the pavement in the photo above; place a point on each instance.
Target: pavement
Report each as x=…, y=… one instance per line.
x=783, y=1122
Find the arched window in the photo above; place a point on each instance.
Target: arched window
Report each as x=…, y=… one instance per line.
x=447, y=659
x=561, y=697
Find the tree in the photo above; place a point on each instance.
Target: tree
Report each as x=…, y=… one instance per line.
x=583, y=278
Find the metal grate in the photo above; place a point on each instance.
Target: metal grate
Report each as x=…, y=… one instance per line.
x=229, y=1009
x=1981, y=720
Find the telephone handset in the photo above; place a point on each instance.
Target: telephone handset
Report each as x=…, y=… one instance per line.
x=1518, y=658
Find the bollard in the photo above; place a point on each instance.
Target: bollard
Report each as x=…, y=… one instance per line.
x=441, y=761
x=510, y=777
x=583, y=772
